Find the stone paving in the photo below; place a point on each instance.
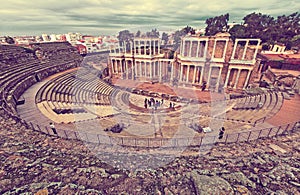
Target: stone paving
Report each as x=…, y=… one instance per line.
x=32, y=162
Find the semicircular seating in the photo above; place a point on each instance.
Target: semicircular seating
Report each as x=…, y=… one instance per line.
x=21, y=67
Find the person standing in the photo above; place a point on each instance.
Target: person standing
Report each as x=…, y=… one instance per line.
x=53, y=128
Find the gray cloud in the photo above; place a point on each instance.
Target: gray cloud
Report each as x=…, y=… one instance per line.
x=19, y=17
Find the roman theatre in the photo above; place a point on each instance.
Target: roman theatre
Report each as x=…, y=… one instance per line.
x=143, y=94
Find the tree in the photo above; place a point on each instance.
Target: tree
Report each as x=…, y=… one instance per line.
x=270, y=30
x=125, y=36
x=181, y=33
x=165, y=38
x=153, y=33
x=186, y=30
x=138, y=33
x=238, y=31
x=259, y=25
x=285, y=28
x=9, y=40
x=217, y=24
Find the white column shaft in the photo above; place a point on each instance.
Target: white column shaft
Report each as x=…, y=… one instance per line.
x=181, y=72
x=187, y=73
x=160, y=72
x=245, y=50
x=208, y=78
x=127, y=71
x=237, y=78
x=201, y=74
x=234, y=48
x=214, y=48
x=205, y=50
x=198, y=47
x=121, y=64
x=190, y=52
x=219, y=79
x=151, y=67
x=158, y=45
x=172, y=71
x=112, y=67
x=224, y=52
x=140, y=49
x=132, y=70
x=150, y=48
x=247, y=79
x=183, y=47
x=227, y=78
x=194, y=76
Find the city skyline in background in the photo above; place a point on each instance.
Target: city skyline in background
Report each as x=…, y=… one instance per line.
x=105, y=17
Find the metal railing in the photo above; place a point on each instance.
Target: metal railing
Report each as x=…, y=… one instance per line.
x=195, y=141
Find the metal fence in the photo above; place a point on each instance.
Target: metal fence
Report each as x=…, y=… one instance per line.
x=170, y=142
x=159, y=142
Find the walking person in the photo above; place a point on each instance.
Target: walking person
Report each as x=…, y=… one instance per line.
x=53, y=128
x=221, y=133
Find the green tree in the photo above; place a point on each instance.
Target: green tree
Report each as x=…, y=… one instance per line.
x=238, y=31
x=165, y=38
x=270, y=30
x=153, y=33
x=217, y=24
x=138, y=33
x=181, y=33
x=259, y=25
x=125, y=36
x=285, y=28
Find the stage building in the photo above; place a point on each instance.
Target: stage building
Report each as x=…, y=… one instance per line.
x=217, y=62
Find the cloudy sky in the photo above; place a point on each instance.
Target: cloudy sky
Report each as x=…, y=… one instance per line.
x=97, y=17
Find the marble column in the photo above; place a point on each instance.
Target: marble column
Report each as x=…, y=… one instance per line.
x=237, y=78
x=234, y=48
x=158, y=45
x=214, y=48
x=140, y=49
x=121, y=64
x=112, y=66
x=133, y=65
x=224, y=52
x=219, y=79
x=127, y=71
x=181, y=72
x=227, y=78
x=245, y=50
x=151, y=67
x=201, y=74
x=116, y=67
x=247, y=79
x=187, y=73
x=136, y=68
x=160, y=72
x=205, y=50
x=198, y=47
x=194, y=76
x=190, y=51
x=172, y=71
x=141, y=70
x=256, y=50
x=150, y=47
x=183, y=48
x=209, y=75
